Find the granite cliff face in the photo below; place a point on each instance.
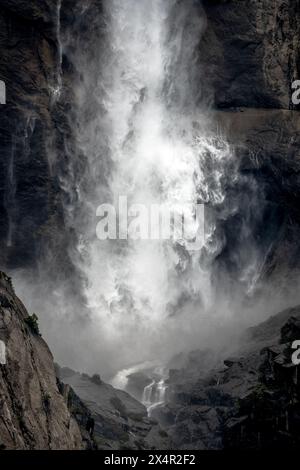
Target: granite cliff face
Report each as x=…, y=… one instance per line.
x=33, y=413
x=251, y=53
x=29, y=67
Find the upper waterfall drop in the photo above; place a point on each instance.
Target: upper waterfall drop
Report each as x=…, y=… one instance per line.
x=149, y=139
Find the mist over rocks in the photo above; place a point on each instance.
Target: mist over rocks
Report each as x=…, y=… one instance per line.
x=252, y=402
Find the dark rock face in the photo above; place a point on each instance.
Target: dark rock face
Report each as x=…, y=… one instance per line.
x=251, y=52
x=291, y=330
x=35, y=128
x=267, y=146
x=252, y=403
x=33, y=412
x=28, y=65
x=110, y=418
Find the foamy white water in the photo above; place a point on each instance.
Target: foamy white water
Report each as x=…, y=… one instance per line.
x=147, y=394
x=142, y=131
x=154, y=394
x=157, y=143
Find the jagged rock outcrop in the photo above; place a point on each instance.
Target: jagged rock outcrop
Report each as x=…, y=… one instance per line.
x=251, y=403
x=33, y=413
x=110, y=418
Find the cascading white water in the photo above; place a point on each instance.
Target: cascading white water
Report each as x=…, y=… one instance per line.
x=159, y=397
x=154, y=394
x=147, y=394
x=140, y=130
x=154, y=137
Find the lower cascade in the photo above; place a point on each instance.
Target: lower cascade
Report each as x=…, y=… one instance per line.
x=154, y=394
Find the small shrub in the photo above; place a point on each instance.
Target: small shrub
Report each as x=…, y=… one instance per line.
x=32, y=322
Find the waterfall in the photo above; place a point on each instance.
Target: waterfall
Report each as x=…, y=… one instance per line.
x=140, y=128
x=146, y=136
x=154, y=395
x=148, y=392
